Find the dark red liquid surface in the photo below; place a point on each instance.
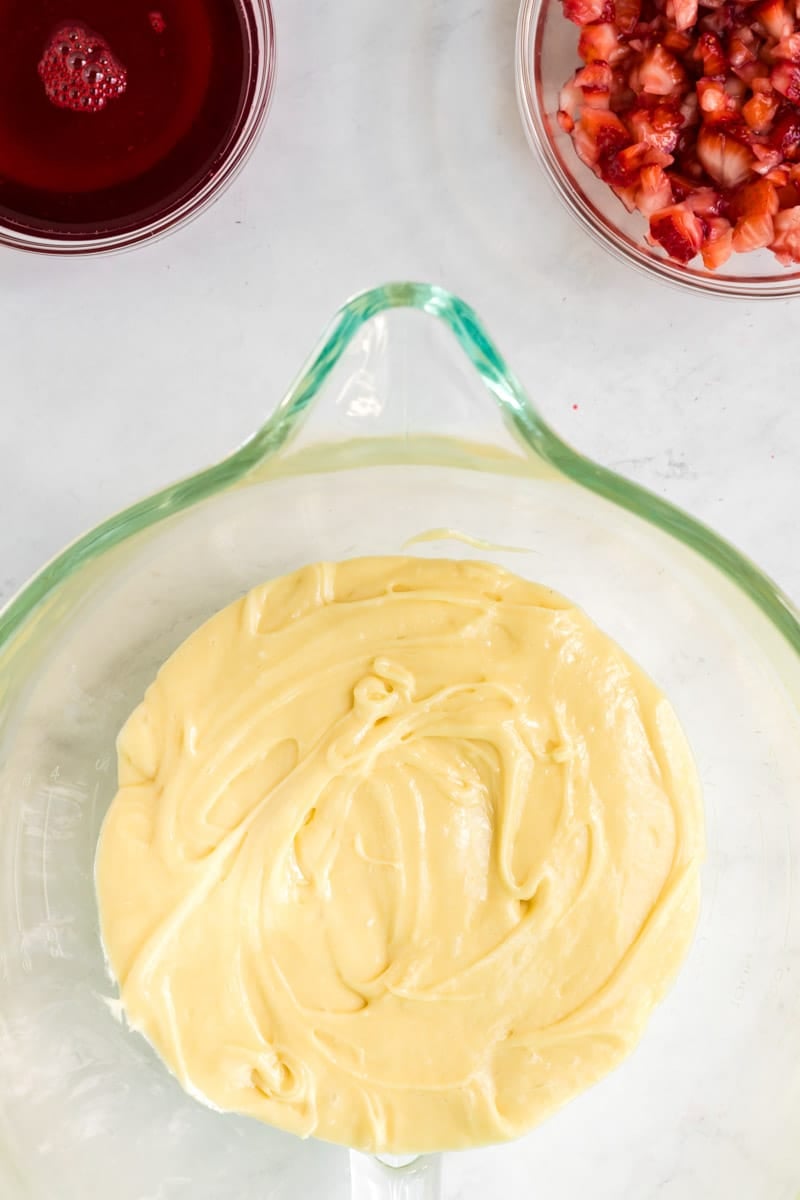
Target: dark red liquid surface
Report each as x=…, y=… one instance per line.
x=188, y=65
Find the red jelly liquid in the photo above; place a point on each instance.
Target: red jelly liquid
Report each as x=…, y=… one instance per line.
x=72, y=173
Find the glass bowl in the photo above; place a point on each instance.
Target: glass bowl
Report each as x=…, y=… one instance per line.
x=405, y=421
x=257, y=89
x=546, y=57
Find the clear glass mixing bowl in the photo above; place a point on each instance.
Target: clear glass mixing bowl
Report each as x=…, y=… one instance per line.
x=405, y=420
x=546, y=57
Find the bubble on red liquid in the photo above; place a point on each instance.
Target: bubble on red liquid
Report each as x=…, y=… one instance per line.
x=157, y=22
x=80, y=71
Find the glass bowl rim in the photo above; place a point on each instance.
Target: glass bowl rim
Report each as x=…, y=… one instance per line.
x=528, y=72
x=537, y=440
x=249, y=125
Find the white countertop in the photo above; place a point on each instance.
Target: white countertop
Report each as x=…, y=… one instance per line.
x=394, y=150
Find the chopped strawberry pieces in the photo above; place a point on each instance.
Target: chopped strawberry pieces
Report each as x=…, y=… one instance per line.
x=654, y=192
x=759, y=112
x=756, y=204
x=690, y=111
x=718, y=245
x=715, y=102
x=657, y=125
x=742, y=49
x=785, y=78
x=726, y=159
x=785, y=133
x=659, y=73
x=788, y=48
x=709, y=52
x=600, y=43
x=627, y=14
x=682, y=13
x=706, y=202
x=585, y=12
x=678, y=231
x=677, y=42
x=624, y=168
x=594, y=81
x=598, y=136
x=786, y=241
x=773, y=17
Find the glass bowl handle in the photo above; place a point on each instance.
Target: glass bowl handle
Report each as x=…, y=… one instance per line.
x=414, y=1179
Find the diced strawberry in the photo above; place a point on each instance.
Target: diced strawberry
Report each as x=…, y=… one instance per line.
x=765, y=158
x=786, y=241
x=659, y=73
x=752, y=70
x=682, y=13
x=726, y=159
x=623, y=169
x=585, y=12
x=595, y=77
x=718, y=244
x=654, y=192
x=565, y=121
x=704, y=202
x=594, y=81
x=657, y=125
x=716, y=103
x=600, y=43
x=678, y=43
x=599, y=135
x=570, y=102
x=708, y=50
x=742, y=48
x=773, y=17
x=785, y=134
x=755, y=200
x=788, y=195
x=678, y=231
x=736, y=89
x=626, y=15
x=759, y=111
x=753, y=233
x=788, y=48
x=785, y=78
x=779, y=176
x=754, y=206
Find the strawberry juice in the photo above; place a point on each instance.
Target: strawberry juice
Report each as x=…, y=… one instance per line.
x=113, y=112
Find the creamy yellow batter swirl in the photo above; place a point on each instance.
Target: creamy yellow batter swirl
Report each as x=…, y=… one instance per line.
x=403, y=854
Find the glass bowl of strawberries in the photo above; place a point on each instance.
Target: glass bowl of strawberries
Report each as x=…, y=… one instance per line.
x=671, y=130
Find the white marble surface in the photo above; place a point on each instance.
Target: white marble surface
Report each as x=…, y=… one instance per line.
x=393, y=150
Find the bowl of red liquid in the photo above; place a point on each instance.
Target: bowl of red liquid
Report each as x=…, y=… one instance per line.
x=121, y=119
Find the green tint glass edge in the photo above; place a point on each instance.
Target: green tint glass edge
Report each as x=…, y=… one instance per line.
x=518, y=411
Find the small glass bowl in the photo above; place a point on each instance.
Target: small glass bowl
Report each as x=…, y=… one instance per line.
x=546, y=57
x=257, y=92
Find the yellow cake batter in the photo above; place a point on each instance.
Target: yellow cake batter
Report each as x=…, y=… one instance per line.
x=403, y=855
